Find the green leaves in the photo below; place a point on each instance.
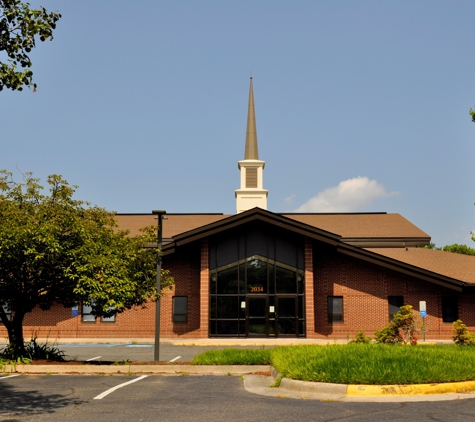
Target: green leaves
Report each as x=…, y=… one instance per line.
x=56, y=249
x=19, y=26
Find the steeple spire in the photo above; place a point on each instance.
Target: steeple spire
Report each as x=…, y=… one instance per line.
x=251, y=152
x=252, y=193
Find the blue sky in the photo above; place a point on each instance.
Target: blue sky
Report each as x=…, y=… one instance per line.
x=360, y=106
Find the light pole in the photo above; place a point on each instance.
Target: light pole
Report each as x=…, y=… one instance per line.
x=159, y=214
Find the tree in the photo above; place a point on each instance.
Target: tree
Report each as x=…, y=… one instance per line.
x=472, y=113
x=19, y=26
x=455, y=248
x=58, y=250
x=400, y=330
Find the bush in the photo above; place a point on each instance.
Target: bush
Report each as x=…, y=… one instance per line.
x=462, y=336
x=33, y=351
x=361, y=338
x=402, y=328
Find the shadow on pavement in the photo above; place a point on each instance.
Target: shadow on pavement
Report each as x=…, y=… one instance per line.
x=29, y=402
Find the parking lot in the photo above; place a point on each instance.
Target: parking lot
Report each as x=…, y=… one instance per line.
x=116, y=352
x=190, y=398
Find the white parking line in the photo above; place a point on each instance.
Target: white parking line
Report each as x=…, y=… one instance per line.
x=174, y=359
x=97, y=357
x=110, y=390
x=9, y=376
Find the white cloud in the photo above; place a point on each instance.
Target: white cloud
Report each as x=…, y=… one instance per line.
x=290, y=199
x=349, y=196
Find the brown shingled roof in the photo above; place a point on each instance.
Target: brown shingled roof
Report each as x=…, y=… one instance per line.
x=348, y=226
x=362, y=225
x=453, y=265
x=172, y=225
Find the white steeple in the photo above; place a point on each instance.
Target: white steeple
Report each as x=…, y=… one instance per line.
x=251, y=194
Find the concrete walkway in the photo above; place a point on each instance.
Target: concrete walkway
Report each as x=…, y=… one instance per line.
x=267, y=342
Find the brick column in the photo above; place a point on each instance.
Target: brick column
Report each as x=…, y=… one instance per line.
x=309, y=290
x=204, y=290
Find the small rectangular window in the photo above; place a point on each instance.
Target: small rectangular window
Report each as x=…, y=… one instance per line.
x=180, y=308
x=109, y=319
x=394, y=303
x=335, y=308
x=7, y=311
x=86, y=313
x=450, y=309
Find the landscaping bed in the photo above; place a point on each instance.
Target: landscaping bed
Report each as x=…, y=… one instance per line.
x=377, y=364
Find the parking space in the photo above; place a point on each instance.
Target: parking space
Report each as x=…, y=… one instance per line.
x=190, y=398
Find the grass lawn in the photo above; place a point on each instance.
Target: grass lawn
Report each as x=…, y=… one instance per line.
x=357, y=363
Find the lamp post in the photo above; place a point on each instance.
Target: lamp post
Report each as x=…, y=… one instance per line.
x=159, y=214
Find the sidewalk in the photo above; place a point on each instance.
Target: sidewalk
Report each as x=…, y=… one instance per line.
x=268, y=342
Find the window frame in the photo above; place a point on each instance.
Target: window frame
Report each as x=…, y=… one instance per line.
x=109, y=320
x=176, y=316
x=8, y=313
x=391, y=315
x=447, y=302
x=332, y=315
x=83, y=314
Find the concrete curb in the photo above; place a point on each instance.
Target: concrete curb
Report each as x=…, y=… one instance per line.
x=347, y=390
x=411, y=390
x=341, y=391
x=140, y=369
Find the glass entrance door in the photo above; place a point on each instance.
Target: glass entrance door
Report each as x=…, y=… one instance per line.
x=257, y=316
x=271, y=316
x=286, y=316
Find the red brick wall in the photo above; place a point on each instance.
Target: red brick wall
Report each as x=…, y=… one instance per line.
x=365, y=288
x=184, y=266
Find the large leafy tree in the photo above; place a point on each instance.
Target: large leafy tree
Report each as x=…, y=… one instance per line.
x=455, y=248
x=55, y=249
x=19, y=28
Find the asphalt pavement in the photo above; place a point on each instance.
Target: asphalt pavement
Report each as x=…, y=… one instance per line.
x=192, y=398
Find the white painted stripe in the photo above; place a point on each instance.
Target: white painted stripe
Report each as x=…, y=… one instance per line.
x=97, y=357
x=174, y=359
x=110, y=390
x=9, y=376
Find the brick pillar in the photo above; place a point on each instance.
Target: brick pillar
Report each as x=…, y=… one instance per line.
x=204, y=290
x=309, y=290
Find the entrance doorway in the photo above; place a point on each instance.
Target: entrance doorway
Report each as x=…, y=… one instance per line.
x=272, y=316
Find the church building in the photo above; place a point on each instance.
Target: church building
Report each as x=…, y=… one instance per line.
x=257, y=273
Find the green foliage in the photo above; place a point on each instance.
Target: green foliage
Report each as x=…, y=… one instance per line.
x=472, y=113
x=357, y=363
x=19, y=27
x=455, y=248
x=55, y=249
x=32, y=350
x=233, y=357
x=462, y=336
x=400, y=330
x=361, y=338
x=375, y=363
x=461, y=249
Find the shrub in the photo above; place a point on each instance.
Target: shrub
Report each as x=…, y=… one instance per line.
x=32, y=350
x=400, y=330
x=361, y=338
x=462, y=336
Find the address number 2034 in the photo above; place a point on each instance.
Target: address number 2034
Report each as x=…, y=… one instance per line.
x=257, y=289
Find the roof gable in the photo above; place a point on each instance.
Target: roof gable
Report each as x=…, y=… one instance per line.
x=254, y=214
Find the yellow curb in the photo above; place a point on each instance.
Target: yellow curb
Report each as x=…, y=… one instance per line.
x=410, y=390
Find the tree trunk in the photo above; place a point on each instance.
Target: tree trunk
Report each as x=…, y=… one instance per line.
x=15, y=334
